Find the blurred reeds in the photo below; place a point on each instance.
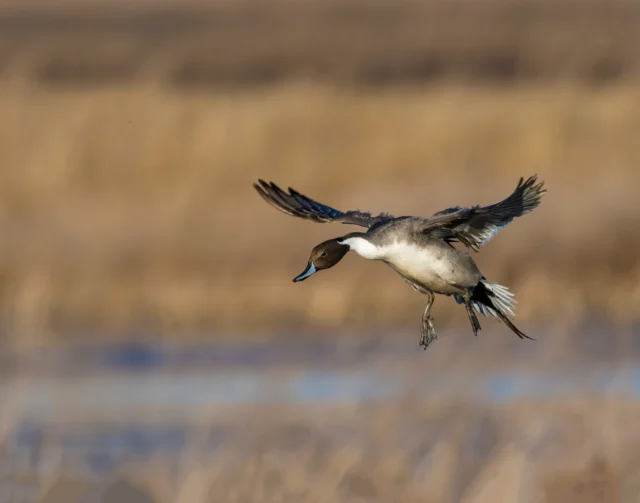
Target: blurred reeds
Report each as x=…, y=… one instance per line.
x=575, y=451
x=129, y=140
x=376, y=43
x=132, y=207
x=126, y=203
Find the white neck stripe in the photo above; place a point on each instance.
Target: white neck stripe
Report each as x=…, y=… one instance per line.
x=362, y=247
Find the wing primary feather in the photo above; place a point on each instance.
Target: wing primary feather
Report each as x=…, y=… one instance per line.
x=296, y=204
x=477, y=225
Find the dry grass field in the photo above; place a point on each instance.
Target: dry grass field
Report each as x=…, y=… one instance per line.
x=126, y=203
x=199, y=45
x=572, y=452
x=132, y=207
x=130, y=137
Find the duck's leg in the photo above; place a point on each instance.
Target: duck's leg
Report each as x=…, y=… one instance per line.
x=475, y=324
x=428, y=331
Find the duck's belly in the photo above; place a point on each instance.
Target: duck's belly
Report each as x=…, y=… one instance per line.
x=441, y=269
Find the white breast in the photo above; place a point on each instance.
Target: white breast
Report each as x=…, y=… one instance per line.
x=410, y=259
x=427, y=265
x=436, y=268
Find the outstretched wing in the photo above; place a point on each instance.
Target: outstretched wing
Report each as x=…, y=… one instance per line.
x=476, y=226
x=295, y=204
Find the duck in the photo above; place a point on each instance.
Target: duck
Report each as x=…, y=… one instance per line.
x=421, y=249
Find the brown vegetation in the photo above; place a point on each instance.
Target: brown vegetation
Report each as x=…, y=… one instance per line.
x=127, y=206
x=413, y=452
x=132, y=207
x=129, y=141
x=373, y=43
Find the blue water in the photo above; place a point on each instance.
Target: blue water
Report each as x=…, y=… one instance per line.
x=138, y=376
x=166, y=392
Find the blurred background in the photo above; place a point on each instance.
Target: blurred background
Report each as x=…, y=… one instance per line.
x=154, y=348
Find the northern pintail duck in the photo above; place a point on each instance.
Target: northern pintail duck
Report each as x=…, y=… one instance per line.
x=420, y=249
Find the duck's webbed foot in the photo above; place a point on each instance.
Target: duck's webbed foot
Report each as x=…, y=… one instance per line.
x=428, y=331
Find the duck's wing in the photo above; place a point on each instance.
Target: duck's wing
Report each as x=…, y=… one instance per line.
x=295, y=204
x=477, y=225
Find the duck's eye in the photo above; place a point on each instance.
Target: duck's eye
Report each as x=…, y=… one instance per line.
x=323, y=254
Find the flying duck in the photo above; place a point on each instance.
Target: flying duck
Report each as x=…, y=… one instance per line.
x=421, y=249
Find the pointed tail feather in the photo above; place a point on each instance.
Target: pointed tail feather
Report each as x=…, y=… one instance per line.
x=496, y=301
x=513, y=328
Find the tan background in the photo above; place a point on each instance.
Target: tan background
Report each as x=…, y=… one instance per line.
x=130, y=139
x=130, y=136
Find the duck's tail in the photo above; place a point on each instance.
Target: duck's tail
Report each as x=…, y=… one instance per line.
x=493, y=300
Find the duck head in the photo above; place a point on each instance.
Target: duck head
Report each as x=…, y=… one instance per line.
x=324, y=256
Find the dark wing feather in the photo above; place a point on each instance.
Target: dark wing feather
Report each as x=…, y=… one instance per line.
x=298, y=205
x=476, y=226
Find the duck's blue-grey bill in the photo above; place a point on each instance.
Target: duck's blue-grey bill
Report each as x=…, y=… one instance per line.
x=306, y=273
